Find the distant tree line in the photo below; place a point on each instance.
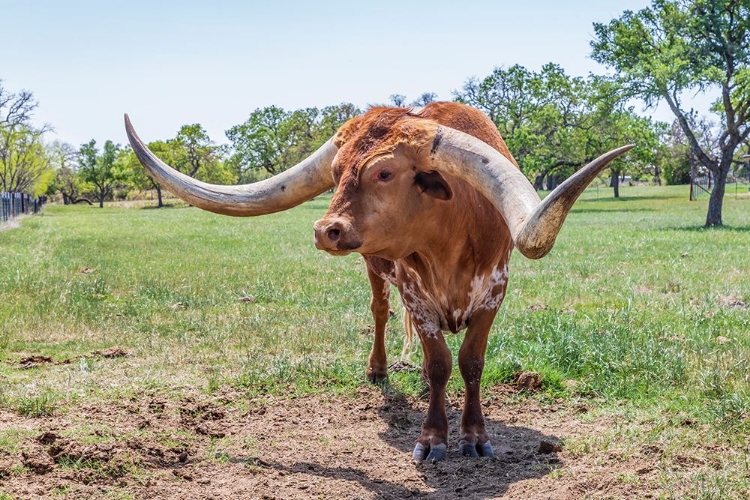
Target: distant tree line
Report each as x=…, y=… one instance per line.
x=553, y=122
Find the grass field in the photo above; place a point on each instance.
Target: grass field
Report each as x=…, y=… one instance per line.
x=638, y=313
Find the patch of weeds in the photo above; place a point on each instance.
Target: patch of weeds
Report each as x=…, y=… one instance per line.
x=5, y=496
x=43, y=404
x=217, y=451
x=628, y=478
x=117, y=494
x=213, y=385
x=408, y=383
x=731, y=412
x=176, y=440
x=99, y=467
x=558, y=473
x=86, y=365
x=61, y=491
x=119, y=466
x=19, y=470
x=11, y=440
x=708, y=485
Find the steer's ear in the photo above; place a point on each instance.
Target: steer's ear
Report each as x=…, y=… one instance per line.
x=433, y=184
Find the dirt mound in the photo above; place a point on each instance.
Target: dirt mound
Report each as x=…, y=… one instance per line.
x=33, y=361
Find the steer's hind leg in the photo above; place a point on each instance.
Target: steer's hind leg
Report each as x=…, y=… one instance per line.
x=474, y=440
x=377, y=366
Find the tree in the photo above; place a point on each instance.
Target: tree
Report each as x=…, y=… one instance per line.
x=259, y=143
x=672, y=50
x=397, y=100
x=25, y=165
x=331, y=118
x=555, y=123
x=64, y=157
x=678, y=159
x=99, y=169
x=272, y=139
x=424, y=99
x=192, y=152
x=138, y=177
x=16, y=109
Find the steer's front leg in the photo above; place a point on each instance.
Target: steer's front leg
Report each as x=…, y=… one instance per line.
x=432, y=442
x=377, y=366
x=474, y=440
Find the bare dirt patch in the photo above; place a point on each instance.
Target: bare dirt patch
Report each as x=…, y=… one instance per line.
x=229, y=446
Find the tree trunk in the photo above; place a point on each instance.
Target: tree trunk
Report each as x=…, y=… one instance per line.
x=716, y=201
x=539, y=182
x=101, y=199
x=159, y=203
x=615, y=183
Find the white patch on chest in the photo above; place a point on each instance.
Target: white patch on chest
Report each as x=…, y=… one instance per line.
x=428, y=312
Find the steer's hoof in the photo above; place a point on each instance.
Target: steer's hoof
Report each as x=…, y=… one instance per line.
x=429, y=453
x=376, y=376
x=468, y=449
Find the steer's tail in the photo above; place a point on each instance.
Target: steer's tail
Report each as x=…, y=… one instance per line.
x=408, y=337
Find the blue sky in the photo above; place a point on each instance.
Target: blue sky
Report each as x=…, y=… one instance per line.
x=173, y=63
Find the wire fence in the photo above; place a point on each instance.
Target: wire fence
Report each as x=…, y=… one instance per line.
x=700, y=185
x=15, y=204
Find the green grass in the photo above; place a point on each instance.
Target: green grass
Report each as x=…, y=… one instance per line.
x=638, y=306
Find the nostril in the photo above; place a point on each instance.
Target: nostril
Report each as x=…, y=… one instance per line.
x=333, y=234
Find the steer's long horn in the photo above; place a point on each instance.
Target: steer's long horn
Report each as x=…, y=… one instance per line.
x=533, y=223
x=288, y=189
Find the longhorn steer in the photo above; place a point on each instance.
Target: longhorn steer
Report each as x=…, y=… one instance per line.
x=435, y=203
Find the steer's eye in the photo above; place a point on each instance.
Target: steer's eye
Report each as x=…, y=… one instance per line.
x=384, y=175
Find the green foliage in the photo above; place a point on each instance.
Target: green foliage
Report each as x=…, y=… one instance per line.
x=272, y=139
x=554, y=123
x=192, y=152
x=100, y=170
x=25, y=164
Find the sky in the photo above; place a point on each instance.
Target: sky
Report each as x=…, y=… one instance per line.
x=169, y=63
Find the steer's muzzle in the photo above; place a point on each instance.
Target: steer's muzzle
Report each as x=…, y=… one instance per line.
x=336, y=235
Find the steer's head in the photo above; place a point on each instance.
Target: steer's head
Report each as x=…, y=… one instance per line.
x=384, y=180
x=389, y=166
